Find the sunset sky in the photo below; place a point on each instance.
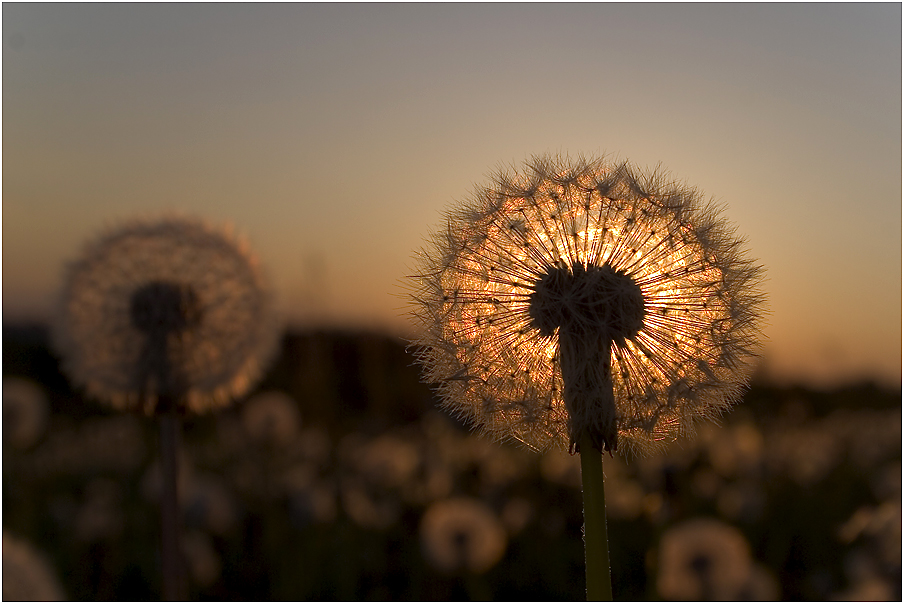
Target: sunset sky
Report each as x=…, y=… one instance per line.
x=334, y=136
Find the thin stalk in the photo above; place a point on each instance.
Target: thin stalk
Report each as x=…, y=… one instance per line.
x=169, y=509
x=596, y=538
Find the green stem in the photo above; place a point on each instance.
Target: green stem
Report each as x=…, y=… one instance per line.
x=596, y=539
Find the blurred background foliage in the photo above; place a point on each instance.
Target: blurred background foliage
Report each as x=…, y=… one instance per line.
x=339, y=479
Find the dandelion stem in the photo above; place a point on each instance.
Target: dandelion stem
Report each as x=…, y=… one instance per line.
x=169, y=508
x=596, y=539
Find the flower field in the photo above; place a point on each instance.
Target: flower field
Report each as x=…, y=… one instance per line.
x=339, y=479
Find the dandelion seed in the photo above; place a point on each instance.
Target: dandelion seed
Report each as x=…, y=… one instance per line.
x=586, y=296
x=166, y=307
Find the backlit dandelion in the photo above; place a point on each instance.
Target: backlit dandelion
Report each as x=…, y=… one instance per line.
x=169, y=306
x=586, y=296
x=586, y=305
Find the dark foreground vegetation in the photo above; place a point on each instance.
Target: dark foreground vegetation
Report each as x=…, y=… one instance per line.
x=323, y=492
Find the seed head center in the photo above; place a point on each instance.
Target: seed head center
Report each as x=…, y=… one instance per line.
x=162, y=308
x=594, y=299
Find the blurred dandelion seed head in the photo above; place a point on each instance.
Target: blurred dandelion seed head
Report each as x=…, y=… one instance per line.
x=168, y=306
x=271, y=418
x=703, y=559
x=462, y=534
x=161, y=307
x=594, y=270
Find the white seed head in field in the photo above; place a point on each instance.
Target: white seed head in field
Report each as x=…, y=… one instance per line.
x=586, y=295
x=704, y=559
x=462, y=534
x=166, y=307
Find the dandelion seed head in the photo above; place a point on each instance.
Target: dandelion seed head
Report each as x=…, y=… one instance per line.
x=703, y=559
x=462, y=534
x=271, y=418
x=161, y=307
x=367, y=506
x=623, y=285
x=597, y=299
x=168, y=306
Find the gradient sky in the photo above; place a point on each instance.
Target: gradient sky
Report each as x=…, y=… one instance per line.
x=333, y=136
